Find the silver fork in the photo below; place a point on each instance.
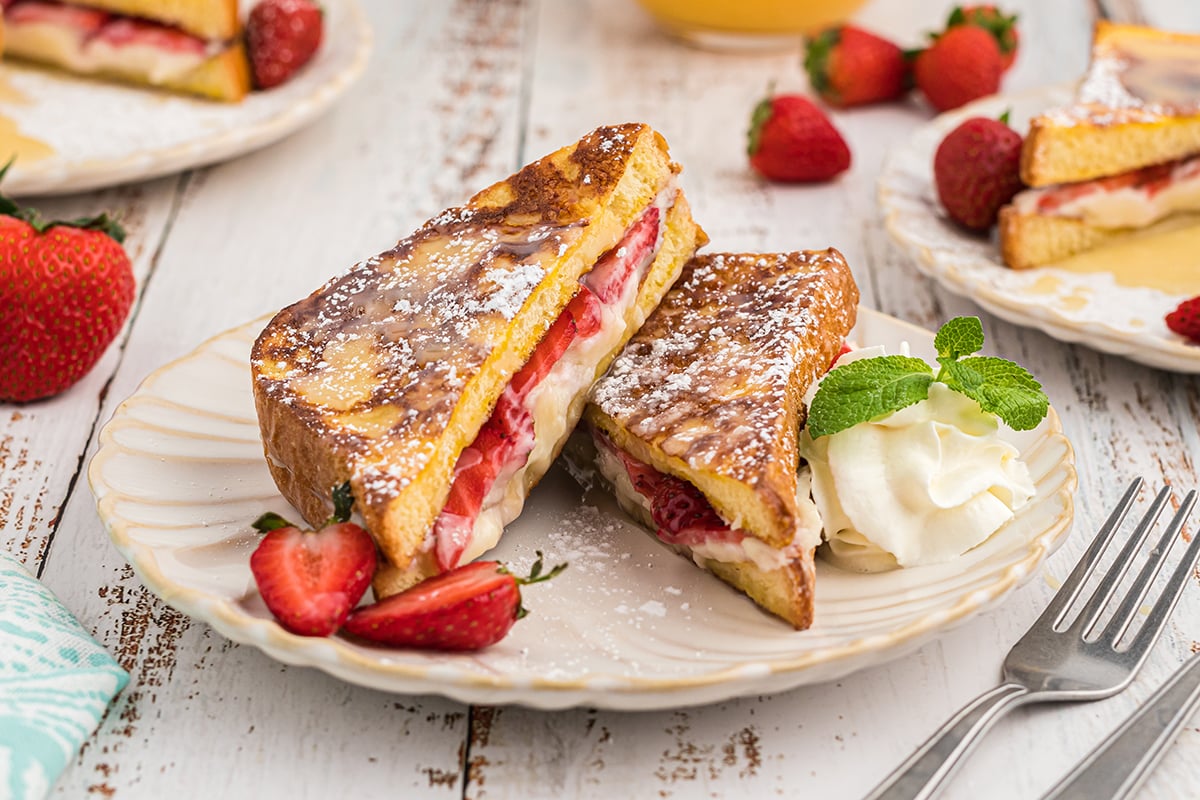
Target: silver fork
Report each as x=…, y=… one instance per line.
x=1054, y=663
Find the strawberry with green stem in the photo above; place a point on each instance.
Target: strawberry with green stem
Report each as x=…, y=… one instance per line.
x=467, y=608
x=848, y=66
x=792, y=140
x=977, y=170
x=311, y=580
x=66, y=289
x=1002, y=27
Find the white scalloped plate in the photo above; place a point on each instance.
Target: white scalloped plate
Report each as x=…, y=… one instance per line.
x=1089, y=309
x=103, y=134
x=180, y=474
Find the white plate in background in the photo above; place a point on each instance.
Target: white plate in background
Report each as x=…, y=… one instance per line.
x=1091, y=309
x=102, y=134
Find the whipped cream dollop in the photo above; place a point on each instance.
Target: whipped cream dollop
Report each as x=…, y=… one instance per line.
x=919, y=486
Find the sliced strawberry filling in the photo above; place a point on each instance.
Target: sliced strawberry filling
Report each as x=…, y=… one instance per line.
x=505, y=441
x=1148, y=181
x=114, y=29
x=682, y=514
x=85, y=20
x=614, y=268
x=124, y=32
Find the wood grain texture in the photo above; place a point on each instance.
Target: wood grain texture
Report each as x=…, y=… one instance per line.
x=456, y=95
x=42, y=444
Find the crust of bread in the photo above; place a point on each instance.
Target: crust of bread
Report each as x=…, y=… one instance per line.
x=710, y=390
x=681, y=238
x=208, y=19
x=1110, y=129
x=225, y=76
x=385, y=374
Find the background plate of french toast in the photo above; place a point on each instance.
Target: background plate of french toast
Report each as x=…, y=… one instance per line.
x=138, y=107
x=629, y=625
x=1112, y=298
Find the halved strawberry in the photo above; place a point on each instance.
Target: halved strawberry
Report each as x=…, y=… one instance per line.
x=845, y=349
x=311, y=581
x=684, y=515
x=467, y=608
x=613, y=269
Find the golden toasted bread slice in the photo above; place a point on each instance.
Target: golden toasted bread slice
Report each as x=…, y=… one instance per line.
x=708, y=395
x=388, y=373
x=91, y=41
x=1138, y=105
x=208, y=19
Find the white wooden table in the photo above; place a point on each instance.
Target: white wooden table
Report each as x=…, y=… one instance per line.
x=458, y=94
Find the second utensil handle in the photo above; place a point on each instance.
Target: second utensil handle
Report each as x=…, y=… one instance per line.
x=1122, y=761
x=933, y=762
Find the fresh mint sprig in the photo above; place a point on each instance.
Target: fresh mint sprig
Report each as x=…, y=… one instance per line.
x=870, y=388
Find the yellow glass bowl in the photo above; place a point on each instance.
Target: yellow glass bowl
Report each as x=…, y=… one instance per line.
x=748, y=24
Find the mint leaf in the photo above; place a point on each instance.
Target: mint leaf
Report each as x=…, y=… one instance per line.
x=959, y=337
x=866, y=389
x=1000, y=387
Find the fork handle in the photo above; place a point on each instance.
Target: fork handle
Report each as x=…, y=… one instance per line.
x=1118, y=766
x=933, y=762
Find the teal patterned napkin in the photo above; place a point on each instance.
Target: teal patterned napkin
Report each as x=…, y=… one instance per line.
x=55, y=683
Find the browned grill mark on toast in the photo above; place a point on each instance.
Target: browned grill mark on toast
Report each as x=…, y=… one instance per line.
x=716, y=376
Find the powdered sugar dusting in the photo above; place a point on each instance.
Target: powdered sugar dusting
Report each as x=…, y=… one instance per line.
x=398, y=336
x=714, y=376
x=1136, y=77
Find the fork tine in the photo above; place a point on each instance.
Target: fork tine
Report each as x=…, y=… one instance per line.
x=1137, y=593
x=1089, y=615
x=1066, y=595
x=1161, y=612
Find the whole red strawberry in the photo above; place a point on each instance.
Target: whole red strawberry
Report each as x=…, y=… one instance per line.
x=791, y=139
x=848, y=66
x=467, y=608
x=310, y=581
x=65, y=291
x=977, y=170
x=1185, y=319
x=281, y=36
x=961, y=65
x=1000, y=25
